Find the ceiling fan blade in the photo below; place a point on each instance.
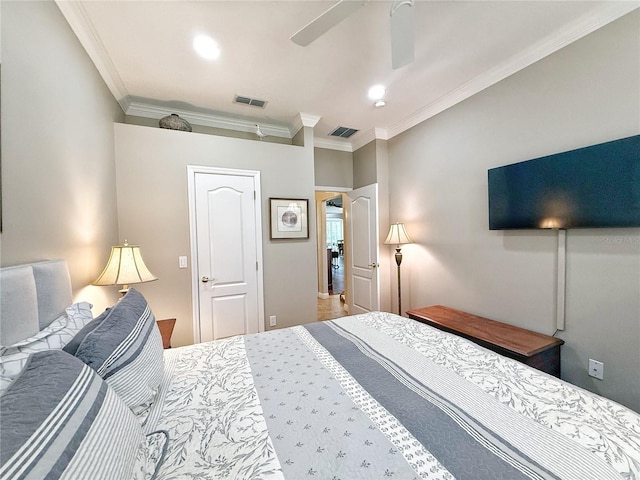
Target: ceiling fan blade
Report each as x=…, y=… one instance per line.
x=325, y=21
x=402, y=33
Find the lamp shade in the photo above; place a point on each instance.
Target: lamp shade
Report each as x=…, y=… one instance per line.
x=125, y=266
x=397, y=235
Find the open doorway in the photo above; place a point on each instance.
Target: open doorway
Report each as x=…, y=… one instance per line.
x=331, y=255
x=334, y=222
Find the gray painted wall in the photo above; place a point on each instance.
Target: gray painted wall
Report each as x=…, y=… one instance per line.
x=58, y=172
x=153, y=211
x=59, y=198
x=364, y=165
x=333, y=168
x=371, y=165
x=586, y=93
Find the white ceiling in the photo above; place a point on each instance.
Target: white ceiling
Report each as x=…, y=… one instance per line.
x=143, y=51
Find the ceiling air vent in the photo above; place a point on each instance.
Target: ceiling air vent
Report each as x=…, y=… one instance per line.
x=253, y=102
x=343, y=132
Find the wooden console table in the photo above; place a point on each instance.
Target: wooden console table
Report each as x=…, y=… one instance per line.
x=534, y=349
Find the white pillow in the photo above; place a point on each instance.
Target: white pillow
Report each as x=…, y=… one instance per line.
x=54, y=337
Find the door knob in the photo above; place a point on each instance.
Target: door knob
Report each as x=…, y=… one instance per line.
x=374, y=265
x=205, y=279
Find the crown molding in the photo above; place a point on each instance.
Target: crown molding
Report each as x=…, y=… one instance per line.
x=149, y=110
x=303, y=120
x=308, y=120
x=83, y=28
x=581, y=27
x=330, y=144
x=369, y=136
x=382, y=134
x=79, y=21
x=363, y=138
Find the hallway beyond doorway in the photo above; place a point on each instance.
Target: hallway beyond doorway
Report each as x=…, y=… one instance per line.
x=330, y=308
x=337, y=275
x=333, y=307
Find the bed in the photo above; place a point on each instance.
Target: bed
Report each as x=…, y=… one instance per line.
x=362, y=397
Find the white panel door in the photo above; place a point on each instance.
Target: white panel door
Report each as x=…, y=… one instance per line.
x=362, y=219
x=227, y=255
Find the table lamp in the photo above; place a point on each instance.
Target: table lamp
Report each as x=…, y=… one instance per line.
x=125, y=266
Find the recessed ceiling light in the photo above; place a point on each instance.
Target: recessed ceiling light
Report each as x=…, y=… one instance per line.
x=377, y=92
x=206, y=47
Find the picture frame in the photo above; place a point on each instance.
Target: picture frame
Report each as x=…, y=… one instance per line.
x=289, y=218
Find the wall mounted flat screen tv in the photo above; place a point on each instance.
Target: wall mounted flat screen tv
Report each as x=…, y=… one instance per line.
x=596, y=186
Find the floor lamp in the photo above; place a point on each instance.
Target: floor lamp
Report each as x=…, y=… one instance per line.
x=398, y=236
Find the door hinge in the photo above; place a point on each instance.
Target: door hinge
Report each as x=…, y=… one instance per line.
x=254, y=194
x=256, y=266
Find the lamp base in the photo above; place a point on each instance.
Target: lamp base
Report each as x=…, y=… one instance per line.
x=398, y=256
x=398, y=262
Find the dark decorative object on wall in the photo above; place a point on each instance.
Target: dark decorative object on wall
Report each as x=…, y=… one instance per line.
x=174, y=122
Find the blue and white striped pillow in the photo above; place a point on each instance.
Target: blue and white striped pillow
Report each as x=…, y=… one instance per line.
x=126, y=350
x=58, y=419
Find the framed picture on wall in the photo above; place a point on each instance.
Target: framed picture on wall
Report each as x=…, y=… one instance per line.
x=289, y=218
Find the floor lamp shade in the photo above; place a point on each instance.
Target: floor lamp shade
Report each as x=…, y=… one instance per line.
x=125, y=266
x=398, y=236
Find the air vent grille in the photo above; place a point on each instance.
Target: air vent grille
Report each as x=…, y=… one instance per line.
x=253, y=102
x=343, y=132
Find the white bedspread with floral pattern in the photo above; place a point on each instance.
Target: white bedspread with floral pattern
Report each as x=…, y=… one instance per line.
x=380, y=396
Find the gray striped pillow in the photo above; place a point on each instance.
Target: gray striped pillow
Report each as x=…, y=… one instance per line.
x=126, y=350
x=58, y=419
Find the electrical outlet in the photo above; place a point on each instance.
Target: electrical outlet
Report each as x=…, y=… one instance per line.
x=596, y=369
x=182, y=261
x=272, y=321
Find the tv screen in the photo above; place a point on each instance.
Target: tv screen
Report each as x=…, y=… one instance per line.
x=596, y=186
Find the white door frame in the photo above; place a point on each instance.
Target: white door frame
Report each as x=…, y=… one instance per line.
x=192, y=170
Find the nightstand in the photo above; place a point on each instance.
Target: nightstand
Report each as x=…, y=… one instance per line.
x=166, y=329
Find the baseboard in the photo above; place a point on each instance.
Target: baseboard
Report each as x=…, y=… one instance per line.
x=323, y=296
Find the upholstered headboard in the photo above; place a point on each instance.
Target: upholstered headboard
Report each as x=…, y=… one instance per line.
x=31, y=297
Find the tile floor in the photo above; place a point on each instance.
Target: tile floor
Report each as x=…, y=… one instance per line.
x=330, y=308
